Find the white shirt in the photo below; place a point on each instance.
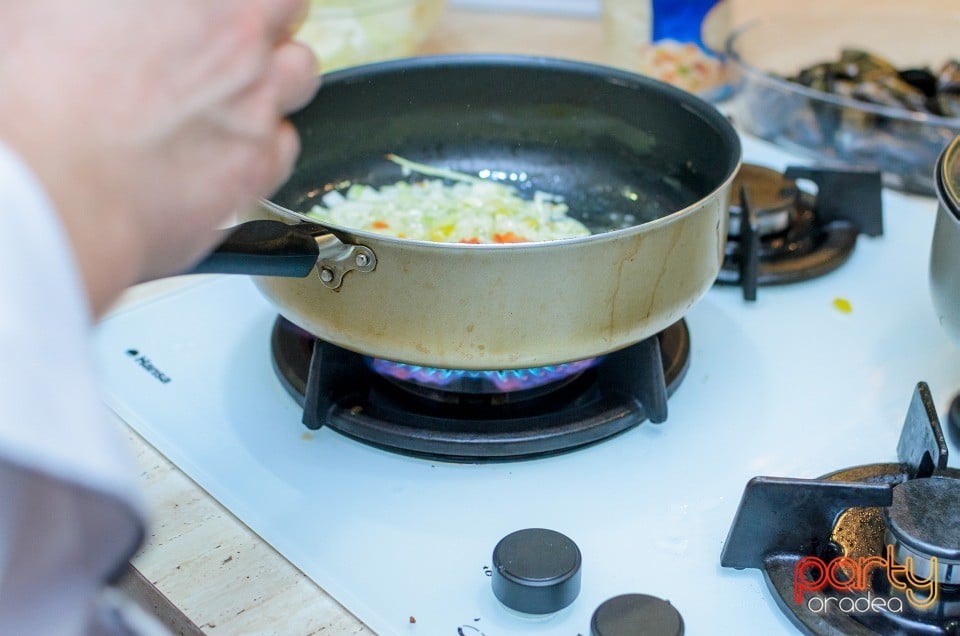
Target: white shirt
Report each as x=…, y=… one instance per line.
x=70, y=516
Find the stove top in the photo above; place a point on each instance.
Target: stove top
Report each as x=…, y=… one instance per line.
x=787, y=386
x=479, y=415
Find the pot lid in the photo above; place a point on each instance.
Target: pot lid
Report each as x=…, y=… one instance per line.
x=948, y=177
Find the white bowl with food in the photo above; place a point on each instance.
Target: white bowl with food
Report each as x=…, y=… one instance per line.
x=350, y=32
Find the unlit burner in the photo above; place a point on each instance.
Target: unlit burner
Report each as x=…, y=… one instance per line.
x=480, y=382
x=841, y=536
x=781, y=234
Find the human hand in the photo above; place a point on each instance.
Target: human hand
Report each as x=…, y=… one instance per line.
x=149, y=122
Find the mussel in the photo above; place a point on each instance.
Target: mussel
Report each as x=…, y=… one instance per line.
x=871, y=78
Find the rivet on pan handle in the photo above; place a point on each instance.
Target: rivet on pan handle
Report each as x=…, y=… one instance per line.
x=336, y=258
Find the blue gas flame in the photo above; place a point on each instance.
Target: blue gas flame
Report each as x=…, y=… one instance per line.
x=505, y=381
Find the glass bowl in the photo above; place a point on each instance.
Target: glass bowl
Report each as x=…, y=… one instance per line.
x=351, y=32
x=835, y=128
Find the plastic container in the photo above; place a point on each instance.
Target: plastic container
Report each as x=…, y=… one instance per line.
x=680, y=42
x=351, y=32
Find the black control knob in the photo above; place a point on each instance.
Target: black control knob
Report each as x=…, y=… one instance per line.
x=636, y=615
x=536, y=571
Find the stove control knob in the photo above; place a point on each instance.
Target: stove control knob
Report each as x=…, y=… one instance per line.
x=636, y=615
x=536, y=571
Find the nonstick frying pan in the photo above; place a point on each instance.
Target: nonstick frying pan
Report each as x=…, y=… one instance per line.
x=645, y=166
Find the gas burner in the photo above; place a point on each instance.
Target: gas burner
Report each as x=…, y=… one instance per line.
x=867, y=550
x=592, y=401
x=509, y=385
x=780, y=234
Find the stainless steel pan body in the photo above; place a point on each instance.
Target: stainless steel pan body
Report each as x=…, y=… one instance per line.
x=646, y=167
x=945, y=250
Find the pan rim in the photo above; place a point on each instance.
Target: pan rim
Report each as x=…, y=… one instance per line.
x=705, y=111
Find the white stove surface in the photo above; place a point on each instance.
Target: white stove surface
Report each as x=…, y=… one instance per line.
x=786, y=386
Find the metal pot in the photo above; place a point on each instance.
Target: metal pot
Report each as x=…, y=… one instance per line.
x=945, y=252
x=645, y=166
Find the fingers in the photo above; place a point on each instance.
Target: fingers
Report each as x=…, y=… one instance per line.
x=295, y=76
x=287, y=149
x=300, y=19
x=283, y=17
x=294, y=71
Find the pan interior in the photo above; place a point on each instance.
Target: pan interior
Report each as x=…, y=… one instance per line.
x=620, y=149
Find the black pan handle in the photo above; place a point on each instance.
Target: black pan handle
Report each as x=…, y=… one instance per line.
x=264, y=248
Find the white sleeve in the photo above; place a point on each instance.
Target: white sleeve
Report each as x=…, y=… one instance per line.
x=70, y=515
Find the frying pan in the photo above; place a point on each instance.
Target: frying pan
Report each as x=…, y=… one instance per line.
x=645, y=166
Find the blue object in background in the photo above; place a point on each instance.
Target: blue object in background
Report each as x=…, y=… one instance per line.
x=680, y=20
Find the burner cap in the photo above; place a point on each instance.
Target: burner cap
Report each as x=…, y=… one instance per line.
x=772, y=197
x=924, y=522
x=536, y=571
x=636, y=615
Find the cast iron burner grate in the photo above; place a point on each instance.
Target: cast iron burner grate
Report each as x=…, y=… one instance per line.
x=337, y=388
x=833, y=542
x=779, y=234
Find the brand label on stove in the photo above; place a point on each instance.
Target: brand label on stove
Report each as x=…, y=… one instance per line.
x=145, y=364
x=846, y=575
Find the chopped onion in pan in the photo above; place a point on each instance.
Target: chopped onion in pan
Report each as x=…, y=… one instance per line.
x=451, y=207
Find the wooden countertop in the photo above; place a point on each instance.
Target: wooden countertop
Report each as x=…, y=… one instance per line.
x=201, y=569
